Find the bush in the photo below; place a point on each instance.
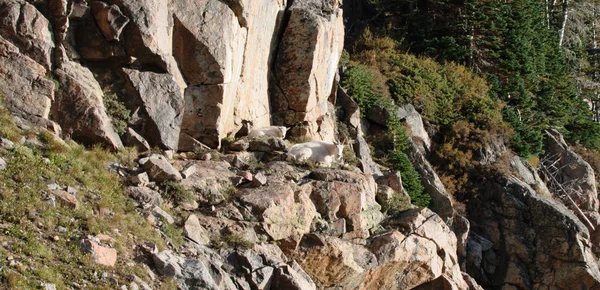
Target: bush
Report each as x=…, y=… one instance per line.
x=117, y=111
x=410, y=178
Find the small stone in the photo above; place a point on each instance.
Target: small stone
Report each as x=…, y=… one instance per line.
x=239, y=162
x=49, y=286
x=3, y=164
x=61, y=229
x=53, y=186
x=56, y=238
x=149, y=248
x=104, y=238
x=246, y=175
x=66, y=199
x=159, y=212
x=132, y=138
x=189, y=171
x=6, y=144
x=101, y=255
x=169, y=154
x=141, y=179
x=72, y=190
x=195, y=231
x=189, y=205
x=205, y=157
x=259, y=179
x=159, y=170
x=239, y=145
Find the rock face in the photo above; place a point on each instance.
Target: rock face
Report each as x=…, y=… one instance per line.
x=227, y=64
x=23, y=84
x=347, y=198
x=304, y=74
x=571, y=179
x=422, y=248
x=23, y=25
x=161, y=102
x=440, y=199
x=81, y=96
x=529, y=241
x=285, y=212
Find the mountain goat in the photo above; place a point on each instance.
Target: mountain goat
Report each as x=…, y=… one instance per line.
x=273, y=131
x=321, y=152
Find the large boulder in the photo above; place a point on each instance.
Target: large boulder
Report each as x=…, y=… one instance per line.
x=285, y=211
x=161, y=102
x=110, y=19
x=205, y=272
x=305, y=68
x=347, y=196
x=81, y=96
x=334, y=263
x=149, y=35
x=23, y=25
x=23, y=84
x=422, y=243
x=533, y=242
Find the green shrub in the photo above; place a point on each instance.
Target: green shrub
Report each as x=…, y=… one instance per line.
x=178, y=192
x=410, y=178
x=117, y=111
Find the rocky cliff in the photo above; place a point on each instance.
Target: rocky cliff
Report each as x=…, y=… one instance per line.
x=190, y=70
x=188, y=77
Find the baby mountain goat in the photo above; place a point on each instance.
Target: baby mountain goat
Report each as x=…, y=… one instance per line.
x=321, y=152
x=272, y=131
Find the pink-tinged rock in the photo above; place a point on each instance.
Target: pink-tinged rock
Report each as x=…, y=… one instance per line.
x=81, y=96
x=23, y=25
x=23, y=84
x=285, y=211
x=101, y=255
x=66, y=199
x=109, y=19
x=305, y=68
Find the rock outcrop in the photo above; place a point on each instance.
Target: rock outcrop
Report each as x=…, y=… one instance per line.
x=27, y=93
x=304, y=74
x=160, y=103
x=81, y=96
x=525, y=240
x=26, y=27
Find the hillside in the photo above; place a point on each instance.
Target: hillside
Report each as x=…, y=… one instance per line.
x=135, y=151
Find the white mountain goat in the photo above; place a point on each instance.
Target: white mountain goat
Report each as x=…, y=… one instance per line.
x=321, y=152
x=273, y=131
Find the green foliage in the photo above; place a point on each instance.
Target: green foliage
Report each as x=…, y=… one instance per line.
x=410, y=178
x=117, y=111
x=584, y=131
x=443, y=94
x=24, y=204
x=398, y=203
x=349, y=157
x=173, y=233
x=178, y=192
x=511, y=43
x=231, y=240
x=359, y=84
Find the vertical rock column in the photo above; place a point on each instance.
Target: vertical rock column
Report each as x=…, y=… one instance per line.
x=305, y=68
x=209, y=47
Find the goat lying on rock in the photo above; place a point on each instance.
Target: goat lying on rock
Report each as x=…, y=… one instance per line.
x=272, y=131
x=321, y=152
